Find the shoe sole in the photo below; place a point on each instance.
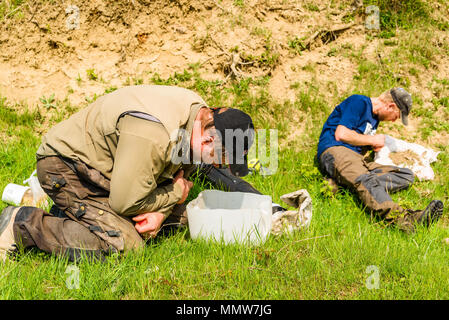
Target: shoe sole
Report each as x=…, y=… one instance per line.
x=5, y=217
x=433, y=212
x=437, y=210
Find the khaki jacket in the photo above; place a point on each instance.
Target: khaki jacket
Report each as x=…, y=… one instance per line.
x=133, y=153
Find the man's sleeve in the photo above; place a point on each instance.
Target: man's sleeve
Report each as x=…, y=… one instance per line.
x=223, y=179
x=139, y=160
x=351, y=112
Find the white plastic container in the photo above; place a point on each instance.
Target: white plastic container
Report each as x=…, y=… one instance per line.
x=15, y=194
x=234, y=217
x=32, y=195
x=39, y=195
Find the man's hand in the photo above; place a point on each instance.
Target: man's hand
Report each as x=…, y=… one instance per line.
x=148, y=224
x=349, y=136
x=378, y=141
x=185, y=184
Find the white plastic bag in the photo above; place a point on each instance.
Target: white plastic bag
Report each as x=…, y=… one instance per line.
x=421, y=168
x=39, y=195
x=288, y=221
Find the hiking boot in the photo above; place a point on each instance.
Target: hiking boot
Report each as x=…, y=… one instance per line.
x=406, y=225
x=7, y=242
x=430, y=214
x=426, y=217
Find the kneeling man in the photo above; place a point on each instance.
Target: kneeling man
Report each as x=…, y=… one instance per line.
x=114, y=170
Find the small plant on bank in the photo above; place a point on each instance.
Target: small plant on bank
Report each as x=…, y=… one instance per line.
x=91, y=74
x=48, y=102
x=296, y=45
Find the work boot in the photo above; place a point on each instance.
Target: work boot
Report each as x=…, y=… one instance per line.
x=426, y=217
x=7, y=242
x=430, y=214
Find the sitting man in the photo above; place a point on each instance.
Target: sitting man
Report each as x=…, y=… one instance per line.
x=351, y=126
x=114, y=170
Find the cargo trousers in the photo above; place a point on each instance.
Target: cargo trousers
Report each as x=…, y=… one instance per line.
x=371, y=181
x=81, y=223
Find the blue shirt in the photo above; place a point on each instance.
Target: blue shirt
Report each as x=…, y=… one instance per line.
x=355, y=113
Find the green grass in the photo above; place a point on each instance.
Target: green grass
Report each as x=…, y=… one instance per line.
x=91, y=74
x=406, y=14
x=328, y=261
x=296, y=45
x=11, y=9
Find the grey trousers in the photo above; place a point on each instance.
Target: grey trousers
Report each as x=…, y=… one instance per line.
x=372, y=182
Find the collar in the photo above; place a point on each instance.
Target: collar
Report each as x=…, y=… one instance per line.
x=182, y=147
x=194, y=109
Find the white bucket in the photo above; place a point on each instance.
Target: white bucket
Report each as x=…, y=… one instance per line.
x=13, y=194
x=234, y=217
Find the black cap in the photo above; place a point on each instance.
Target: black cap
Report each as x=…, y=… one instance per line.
x=403, y=100
x=235, y=124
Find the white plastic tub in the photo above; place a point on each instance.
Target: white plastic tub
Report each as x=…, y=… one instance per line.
x=232, y=217
x=14, y=194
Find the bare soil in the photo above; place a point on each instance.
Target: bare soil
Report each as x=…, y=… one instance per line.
x=125, y=42
x=407, y=157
